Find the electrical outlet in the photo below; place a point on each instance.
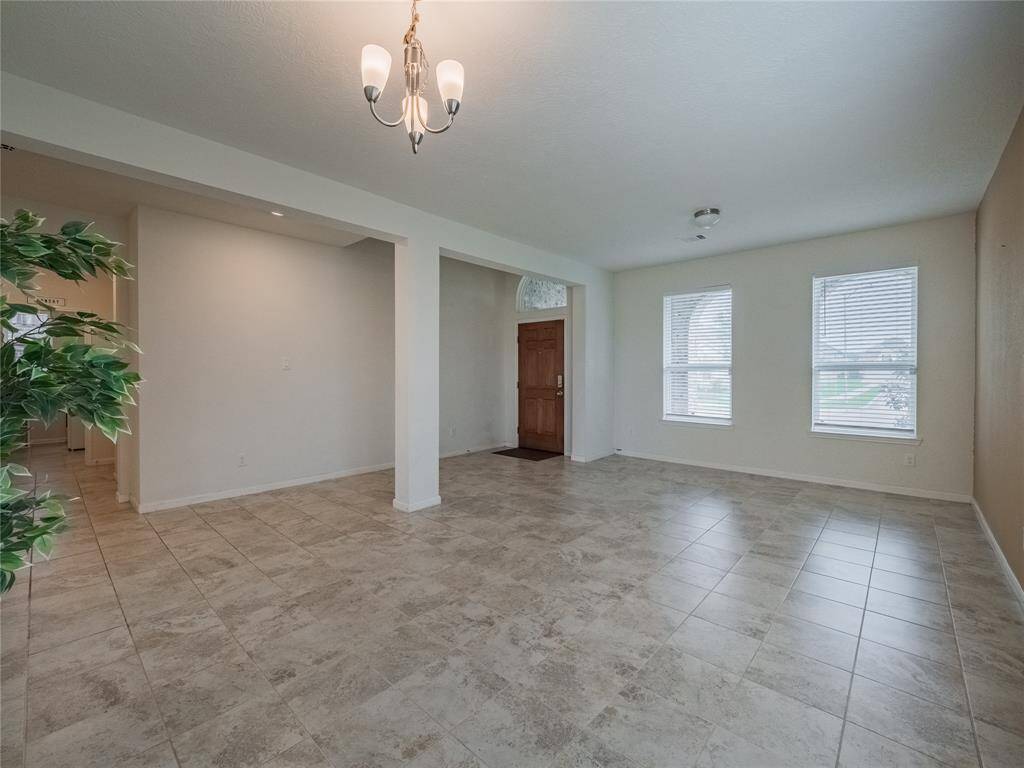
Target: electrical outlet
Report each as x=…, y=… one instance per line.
x=286, y=363
x=909, y=460
x=241, y=460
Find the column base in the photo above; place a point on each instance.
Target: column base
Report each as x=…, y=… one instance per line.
x=415, y=506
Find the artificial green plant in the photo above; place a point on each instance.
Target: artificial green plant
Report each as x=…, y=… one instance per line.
x=49, y=370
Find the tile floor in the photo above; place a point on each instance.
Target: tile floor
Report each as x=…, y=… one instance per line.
x=621, y=613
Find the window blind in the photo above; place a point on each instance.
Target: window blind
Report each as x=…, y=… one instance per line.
x=865, y=353
x=698, y=356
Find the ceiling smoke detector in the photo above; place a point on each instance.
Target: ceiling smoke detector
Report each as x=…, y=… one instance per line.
x=706, y=218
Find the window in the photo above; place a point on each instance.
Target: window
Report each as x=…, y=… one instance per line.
x=535, y=294
x=865, y=353
x=698, y=357
x=23, y=323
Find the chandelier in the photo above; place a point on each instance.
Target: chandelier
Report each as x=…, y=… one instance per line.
x=376, y=65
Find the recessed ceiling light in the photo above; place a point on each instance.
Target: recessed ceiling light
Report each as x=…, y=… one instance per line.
x=706, y=218
x=276, y=213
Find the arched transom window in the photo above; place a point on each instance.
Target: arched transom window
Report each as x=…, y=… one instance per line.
x=535, y=294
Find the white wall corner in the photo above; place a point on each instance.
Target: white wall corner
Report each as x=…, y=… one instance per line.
x=1011, y=577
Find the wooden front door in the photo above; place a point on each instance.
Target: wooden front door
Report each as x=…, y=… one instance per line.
x=542, y=386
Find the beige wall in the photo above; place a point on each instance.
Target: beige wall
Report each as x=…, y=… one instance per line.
x=999, y=403
x=772, y=361
x=93, y=295
x=472, y=372
x=218, y=307
x=263, y=346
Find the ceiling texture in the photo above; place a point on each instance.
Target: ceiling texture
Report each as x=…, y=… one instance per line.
x=588, y=129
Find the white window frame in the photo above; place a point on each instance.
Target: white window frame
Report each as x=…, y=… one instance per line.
x=854, y=432
x=711, y=421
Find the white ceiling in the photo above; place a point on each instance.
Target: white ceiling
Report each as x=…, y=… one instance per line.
x=589, y=129
x=45, y=179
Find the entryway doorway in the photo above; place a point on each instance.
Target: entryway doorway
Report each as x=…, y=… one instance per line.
x=542, y=385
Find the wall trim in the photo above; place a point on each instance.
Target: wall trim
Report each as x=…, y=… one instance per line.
x=415, y=506
x=1015, y=586
x=842, y=482
x=122, y=497
x=99, y=462
x=47, y=441
x=580, y=458
x=477, y=449
x=156, y=506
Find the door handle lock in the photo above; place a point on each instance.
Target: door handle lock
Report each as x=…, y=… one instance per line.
x=558, y=393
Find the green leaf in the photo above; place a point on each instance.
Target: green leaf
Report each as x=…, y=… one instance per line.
x=55, y=371
x=10, y=561
x=26, y=220
x=44, y=545
x=53, y=506
x=10, y=494
x=74, y=228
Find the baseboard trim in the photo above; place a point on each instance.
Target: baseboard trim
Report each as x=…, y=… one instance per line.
x=1011, y=577
x=156, y=506
x=100, y=462
x=123, y=497
x=841, y=482
x=478, y=449
x=579, y=458
x=416, y=506
x=47, y=441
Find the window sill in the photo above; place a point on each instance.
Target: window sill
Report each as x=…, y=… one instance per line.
x=865, y=436
x=697, y=421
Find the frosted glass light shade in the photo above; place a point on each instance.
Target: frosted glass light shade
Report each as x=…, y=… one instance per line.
x=450, y=79
x=414, y=123
x=376, y=65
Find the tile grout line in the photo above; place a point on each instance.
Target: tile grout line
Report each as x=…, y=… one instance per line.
x=963, y=672
x=761, y=641
x=236, y=641
x=774, y=614
x=131, y=635
x=89, y=516
x=391, y=685
x=856, y=655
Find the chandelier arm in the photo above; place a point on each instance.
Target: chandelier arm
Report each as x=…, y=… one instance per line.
x=451, y=119
x=421, y=121
x=373, y=111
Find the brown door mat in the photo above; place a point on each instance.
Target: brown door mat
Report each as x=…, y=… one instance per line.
x=527, y=453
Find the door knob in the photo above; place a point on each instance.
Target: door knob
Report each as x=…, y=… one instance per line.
x=558, y=393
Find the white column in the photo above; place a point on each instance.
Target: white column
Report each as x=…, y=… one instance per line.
x=417, y=374
x=592, y=370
